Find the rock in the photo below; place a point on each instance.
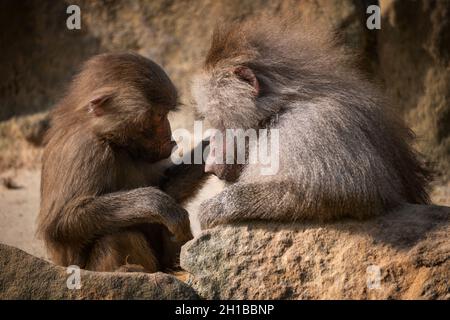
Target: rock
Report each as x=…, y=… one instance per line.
x=414, y=55
x=44, y=54
x=23, y=276
x=403, y=255
x=41, y=57
x=35, y=129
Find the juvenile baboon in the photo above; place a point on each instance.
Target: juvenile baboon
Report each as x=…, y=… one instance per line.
x=343, y=152
x=101, y=208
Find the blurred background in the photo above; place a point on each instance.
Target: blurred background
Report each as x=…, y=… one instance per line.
x=409, y=57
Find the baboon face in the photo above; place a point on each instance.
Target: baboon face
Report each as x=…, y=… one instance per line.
x=150, y=139
x=227, y=98
x=224, y=171
x=129, y=104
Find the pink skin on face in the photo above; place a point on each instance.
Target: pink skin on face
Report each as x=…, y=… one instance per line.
x=216, y=165
x=211, y=161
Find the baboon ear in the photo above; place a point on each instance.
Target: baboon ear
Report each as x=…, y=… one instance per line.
x=96, y=104
x=246, y=74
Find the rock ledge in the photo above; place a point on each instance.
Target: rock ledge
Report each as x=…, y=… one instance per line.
x=403, y=255
x=23, y=276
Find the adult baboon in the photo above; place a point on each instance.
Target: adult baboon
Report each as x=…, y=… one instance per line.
x=343, y=152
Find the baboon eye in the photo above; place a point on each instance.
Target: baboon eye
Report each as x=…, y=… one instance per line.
x=247, y=75
x=157, y=117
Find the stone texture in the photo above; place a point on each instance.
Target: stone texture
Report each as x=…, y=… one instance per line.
x=39, y=54
x=23, y=276
x=326, y=261
x=43, y=54
x=414, y=55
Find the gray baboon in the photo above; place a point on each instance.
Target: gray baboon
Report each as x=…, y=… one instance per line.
x=101, y=208
x=343, y=152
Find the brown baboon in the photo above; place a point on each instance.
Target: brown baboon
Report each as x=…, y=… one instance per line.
x=342, y=153
x=101, y=208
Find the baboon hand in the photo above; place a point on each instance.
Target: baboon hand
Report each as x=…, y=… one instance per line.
x=182, y=231
x=177, y=222
x=238, y=202
x=211, y=213
x=173, y=216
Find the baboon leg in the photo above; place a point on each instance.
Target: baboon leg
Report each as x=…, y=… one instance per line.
x=125, y=251
x=248, y=201
x=130, y=268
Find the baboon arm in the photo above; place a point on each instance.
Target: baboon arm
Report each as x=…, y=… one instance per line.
x=184, y=180
x=85, y=218
x=249, y=201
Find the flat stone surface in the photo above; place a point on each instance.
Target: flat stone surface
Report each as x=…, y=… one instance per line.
x=403, y=255
x=23, y=276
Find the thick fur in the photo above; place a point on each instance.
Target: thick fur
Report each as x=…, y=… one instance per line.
x=343, y=151
x=100, y=203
